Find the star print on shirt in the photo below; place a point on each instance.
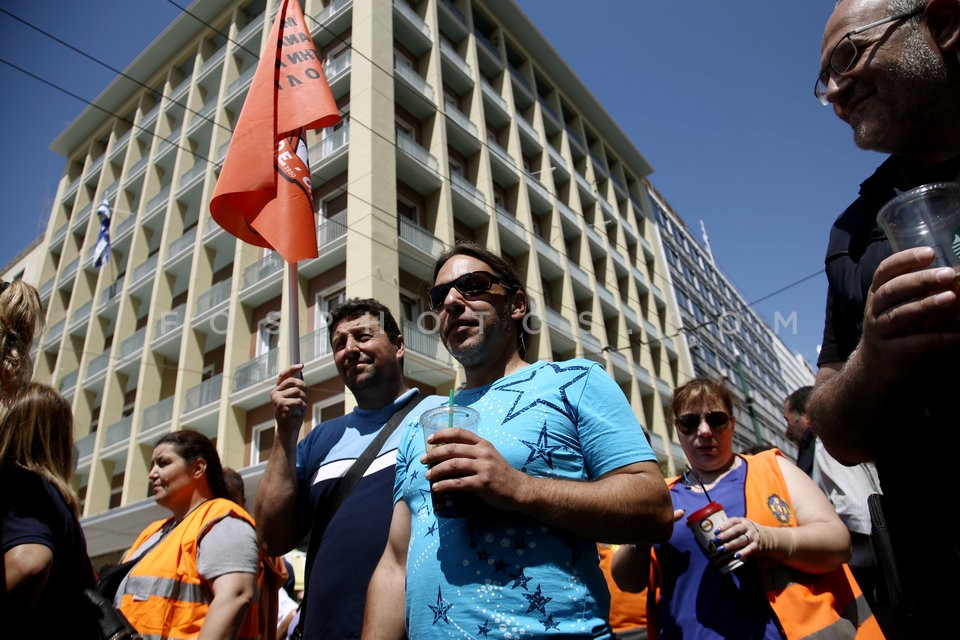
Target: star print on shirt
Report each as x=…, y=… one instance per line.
x=483, y=629
x=521, y=580
x=540, y=448
x=549, y=623
x=431, y=529
x=440, y=611
x=576, y=371
x=537, y=601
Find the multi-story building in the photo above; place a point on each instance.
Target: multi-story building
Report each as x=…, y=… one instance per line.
x=727, y=338
x=459, y=122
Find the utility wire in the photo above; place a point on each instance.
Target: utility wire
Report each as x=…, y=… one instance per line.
x=743, y=305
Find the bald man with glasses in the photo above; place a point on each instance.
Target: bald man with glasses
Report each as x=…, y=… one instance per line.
x=888, y=374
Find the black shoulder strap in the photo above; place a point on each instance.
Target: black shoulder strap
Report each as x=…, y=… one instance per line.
x=325, y=510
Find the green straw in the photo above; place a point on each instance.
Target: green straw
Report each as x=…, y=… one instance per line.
x=450, y=414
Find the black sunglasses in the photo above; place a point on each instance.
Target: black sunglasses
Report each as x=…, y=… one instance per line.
x=3, y=285
x=469, y=284
x=688, y=423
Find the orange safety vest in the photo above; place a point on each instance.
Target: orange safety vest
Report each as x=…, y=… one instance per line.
x=627, y=610
x=165, y=596
x=827, y=606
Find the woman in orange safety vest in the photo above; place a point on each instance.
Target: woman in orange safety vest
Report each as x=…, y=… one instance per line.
x=785, y=542
x=197, y=570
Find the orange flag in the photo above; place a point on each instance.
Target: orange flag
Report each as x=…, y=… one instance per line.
x=263, y=195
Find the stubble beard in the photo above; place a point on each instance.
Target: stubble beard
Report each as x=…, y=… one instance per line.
x=476, y=353
x=918, y=75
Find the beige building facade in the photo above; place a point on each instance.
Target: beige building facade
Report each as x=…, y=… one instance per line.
x=459, y=123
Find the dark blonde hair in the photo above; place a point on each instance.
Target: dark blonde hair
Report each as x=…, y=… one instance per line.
x=21, y=320
x=700, y=389
x=36, y=433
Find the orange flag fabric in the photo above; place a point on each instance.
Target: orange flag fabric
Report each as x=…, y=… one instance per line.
x=263, y=195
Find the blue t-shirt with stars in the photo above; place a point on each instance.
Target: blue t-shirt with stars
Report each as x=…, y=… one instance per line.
x=504, y=575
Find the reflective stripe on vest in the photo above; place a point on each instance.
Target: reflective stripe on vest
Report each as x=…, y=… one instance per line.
x=165, y=596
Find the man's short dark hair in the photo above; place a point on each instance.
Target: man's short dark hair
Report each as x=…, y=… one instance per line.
x=356, y=307
x=797, y=401
x=508, y=274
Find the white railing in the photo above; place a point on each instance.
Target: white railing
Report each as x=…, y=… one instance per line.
x=169, y=322
x=410, y=146
x=203, y=394
x=420, y=237
x=213, y=297
x=412, y=78
x=315, y=345
x=466, y=189
x=263, y=268
x=255, y=371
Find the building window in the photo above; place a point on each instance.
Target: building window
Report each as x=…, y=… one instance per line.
x=268, y=333
x=262, y=442
x=328, y=409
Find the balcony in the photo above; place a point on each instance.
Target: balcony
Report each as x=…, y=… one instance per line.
x=460, y=119
x=240, y=85
x=551, y=254
x=411, y=17
x=332, y=142
x=157, y=420
x=180, y=247
x=192, y=176
x=420, y=237
x=335, y=66
x=413, y=79
x=424, y=172
x=116, y=438
x=168, y=144
x=333, y=20
x=536, y=187
x=168, y=327
x=448, y=52
x=331, y=229
x=80, y=317
x=54, y=333
x=263, y=269
x=157, y=204
x=212, y=300
x=467, y=191
x=315, y=345
x=493, y=96
x=203, y=395
x=68, y=272
x=84, y=448
x=59, y=235
x=111, y=293
x=501, y=154
x=144, y=272
x=131, y=348
x=96, y=367
x=424, y=348
x=122, y=229
x=46, y=289
x=260, y=369
x=211, y=63
x=558, y=323
x=67, y=383
x=513, y=235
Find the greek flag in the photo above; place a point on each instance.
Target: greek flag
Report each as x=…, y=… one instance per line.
x=101, y=252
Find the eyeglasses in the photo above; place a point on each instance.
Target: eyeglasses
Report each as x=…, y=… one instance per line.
x=469, y=284
x=688, y=423
x=845, y=54
x=3, y=285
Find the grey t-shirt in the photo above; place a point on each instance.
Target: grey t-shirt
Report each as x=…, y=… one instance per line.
x=230, y=546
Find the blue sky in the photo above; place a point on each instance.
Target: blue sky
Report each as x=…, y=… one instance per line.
x=718, y=96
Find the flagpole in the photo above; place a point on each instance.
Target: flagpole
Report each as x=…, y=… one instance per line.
x=293, y=304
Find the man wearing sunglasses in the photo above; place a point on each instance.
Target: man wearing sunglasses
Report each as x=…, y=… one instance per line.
x=887, y=366
x=558, y=461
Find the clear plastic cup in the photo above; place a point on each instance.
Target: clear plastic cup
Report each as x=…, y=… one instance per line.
x=451, y=504
x=927, y=216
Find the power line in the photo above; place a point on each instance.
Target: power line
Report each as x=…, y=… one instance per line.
x=443, y=176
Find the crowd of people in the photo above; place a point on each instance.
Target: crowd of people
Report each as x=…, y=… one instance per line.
x=569, y=526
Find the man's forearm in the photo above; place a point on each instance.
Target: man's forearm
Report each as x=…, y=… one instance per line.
x=619, y=507
x=275, y=506
x=843, y=409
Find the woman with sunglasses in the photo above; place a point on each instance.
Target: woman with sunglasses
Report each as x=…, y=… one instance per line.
x=793, y=582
